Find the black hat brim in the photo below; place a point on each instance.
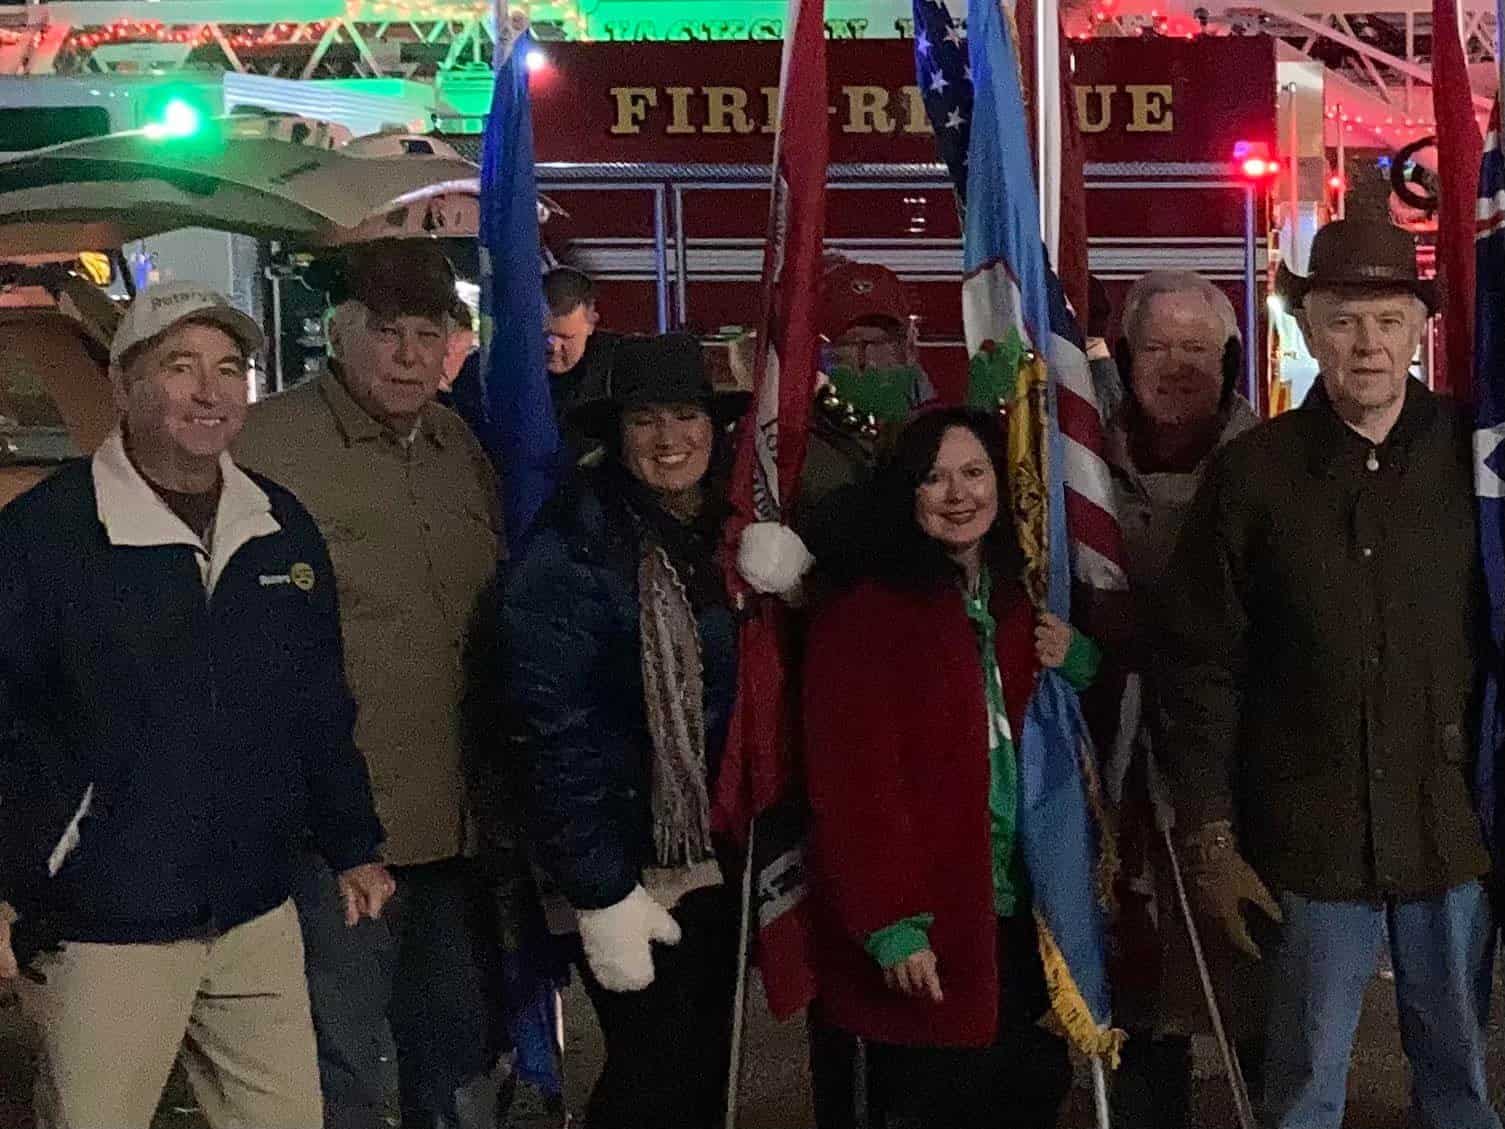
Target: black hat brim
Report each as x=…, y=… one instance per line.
x=1293, y=288
x=598, y=418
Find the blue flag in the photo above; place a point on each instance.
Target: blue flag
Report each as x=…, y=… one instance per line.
x=522, y=437
x=520, y=419
x=1489, y=466
x=1012, y=301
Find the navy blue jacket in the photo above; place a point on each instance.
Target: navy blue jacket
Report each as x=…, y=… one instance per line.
x=575, y=685
x=216, y=732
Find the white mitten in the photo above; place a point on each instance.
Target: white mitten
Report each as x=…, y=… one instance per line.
x=617, y=940
x=772, y=558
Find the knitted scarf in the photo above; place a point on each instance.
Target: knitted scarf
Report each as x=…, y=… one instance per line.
x=674, y=697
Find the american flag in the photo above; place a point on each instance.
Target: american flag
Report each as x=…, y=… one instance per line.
x=1010, y=295
x=945, y=78
x=1489, y=453
x=944, y=71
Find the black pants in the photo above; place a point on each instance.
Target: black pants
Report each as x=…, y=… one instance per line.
x=1017, y=1083
x=668, y=1047
x=1152, y=1088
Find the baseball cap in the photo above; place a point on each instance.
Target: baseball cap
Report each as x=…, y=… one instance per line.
x=158, y=308
x=852, y=292
x=392, y=278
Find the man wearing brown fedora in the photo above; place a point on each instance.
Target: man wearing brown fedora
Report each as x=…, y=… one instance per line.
x=1319, y=651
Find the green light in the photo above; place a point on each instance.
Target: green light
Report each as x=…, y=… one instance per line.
x=179, y=119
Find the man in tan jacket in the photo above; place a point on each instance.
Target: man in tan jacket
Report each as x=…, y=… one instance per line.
x=407, y=501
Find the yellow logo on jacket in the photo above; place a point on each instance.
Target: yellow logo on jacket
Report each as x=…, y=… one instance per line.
x=302, y=576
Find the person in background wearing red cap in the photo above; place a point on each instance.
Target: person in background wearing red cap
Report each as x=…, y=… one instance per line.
x=870, y=381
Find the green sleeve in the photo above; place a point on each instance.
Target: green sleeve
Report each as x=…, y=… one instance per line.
x=1083, y=658
x=896, y=943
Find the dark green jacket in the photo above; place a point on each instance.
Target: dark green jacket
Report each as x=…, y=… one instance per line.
x=1321, y=634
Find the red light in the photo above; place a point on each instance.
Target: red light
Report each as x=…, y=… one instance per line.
x=1335, y=183
x=1253, y=160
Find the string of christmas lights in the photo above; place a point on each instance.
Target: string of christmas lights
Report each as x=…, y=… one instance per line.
x=1106, y=20
x=568, y=16
x=1332, y=113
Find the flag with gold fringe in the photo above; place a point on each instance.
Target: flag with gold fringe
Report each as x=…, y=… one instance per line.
x=1028, y=357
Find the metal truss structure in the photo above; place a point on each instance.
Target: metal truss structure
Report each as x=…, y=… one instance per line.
x=299, y=39
x=1386, y=53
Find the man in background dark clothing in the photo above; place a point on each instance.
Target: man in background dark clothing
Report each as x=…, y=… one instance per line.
x=579, y=357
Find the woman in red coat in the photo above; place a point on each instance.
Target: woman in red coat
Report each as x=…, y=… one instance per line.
x=915, y=682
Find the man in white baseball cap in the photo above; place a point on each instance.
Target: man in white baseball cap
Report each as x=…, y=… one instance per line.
x=175, y=727
x=169, y=304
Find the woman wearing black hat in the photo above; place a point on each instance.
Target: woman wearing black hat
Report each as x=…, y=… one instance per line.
x=621, y=665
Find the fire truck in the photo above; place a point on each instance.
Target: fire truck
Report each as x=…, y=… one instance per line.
x=657, y=155
x=654, y=158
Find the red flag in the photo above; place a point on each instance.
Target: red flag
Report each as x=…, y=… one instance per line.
x=1072, y=268
x=1459, y=151
x=758, y=781
x=1069, y=197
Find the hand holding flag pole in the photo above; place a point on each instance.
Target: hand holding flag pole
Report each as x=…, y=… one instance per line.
x=756, y=794
x=1012, y=300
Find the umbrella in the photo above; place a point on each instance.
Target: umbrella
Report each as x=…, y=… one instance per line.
x=128, y=185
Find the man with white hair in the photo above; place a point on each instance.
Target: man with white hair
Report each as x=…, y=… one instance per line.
x=407, y=500
x=1181, y=357
x=1321, y=635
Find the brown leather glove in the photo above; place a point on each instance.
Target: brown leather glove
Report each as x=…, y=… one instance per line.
x=1224, y=882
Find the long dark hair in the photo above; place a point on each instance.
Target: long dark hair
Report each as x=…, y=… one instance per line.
x=912, y=558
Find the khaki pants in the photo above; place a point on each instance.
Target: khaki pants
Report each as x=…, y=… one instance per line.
x=113, y=1018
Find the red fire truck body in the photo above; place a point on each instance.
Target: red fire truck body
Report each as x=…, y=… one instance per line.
x=659, y=155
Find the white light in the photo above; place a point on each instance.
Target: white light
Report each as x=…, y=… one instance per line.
x=1274, y=304
x=536, y=60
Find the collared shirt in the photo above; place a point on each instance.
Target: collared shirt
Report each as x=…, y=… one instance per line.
x=414, y=536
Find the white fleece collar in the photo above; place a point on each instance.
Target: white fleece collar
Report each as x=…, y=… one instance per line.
x=134, y=515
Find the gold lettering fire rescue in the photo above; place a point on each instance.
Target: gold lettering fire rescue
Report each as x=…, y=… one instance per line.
x=1084, y=117
x=633, y=103
x=679, y=113
x=726, y=110
x=862, y=109
x=1150, y=109
x=771, y=104
x=867, y=110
